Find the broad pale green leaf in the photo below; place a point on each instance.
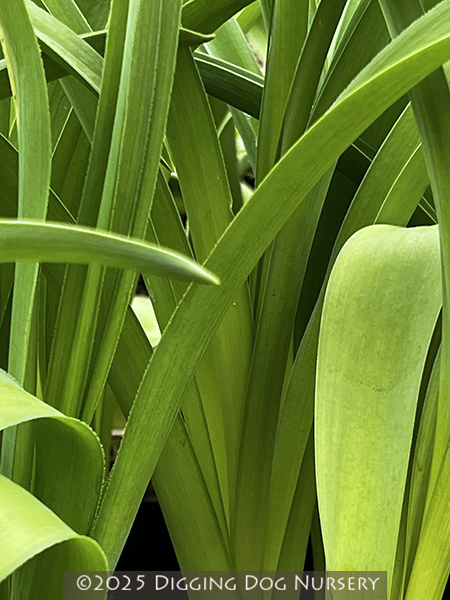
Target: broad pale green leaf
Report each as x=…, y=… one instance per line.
x=69, y=459
x=55, y=242
x=369, y=367
x=29, y=528
x=412, y=56
x=390, y=200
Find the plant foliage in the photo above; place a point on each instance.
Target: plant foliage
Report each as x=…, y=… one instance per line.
x=302, y=398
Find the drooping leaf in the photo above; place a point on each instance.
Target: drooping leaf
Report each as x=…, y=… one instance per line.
x=55, y=242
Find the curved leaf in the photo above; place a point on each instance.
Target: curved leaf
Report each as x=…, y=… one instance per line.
x=68, y=473
x=28, y=528
x=66, y=47
x=55, y=242
x=412, y=56
x=206, y=16
x=381, y=305
x=232, y=84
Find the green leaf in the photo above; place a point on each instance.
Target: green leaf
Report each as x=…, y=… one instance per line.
x=364, y=38
x=55, y=242
x=369, y=367
x=30, y=528
x=230, y=44
x=430, y=102
x=382, y=196
x=232, y=84
x=68, y=475
x=133, y=165
x=421, y=468
x=96, y=13
x=191, y=126
x=67, y=12
x=27, y=79
x=412, y=56
x=66, y=47
x=270, y=362
x=69, y=461
x=287, y=38
x=167, y=228
x=308, y=70
x=184, y=496
x=206, y=16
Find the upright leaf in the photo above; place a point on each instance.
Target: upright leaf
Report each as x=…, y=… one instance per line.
x=419, y=51
x=369, y=367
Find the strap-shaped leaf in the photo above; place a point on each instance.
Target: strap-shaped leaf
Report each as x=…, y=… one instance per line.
x=228, y=82
x=28, y=83
x=66, y=47
x=417, y=52
x=232, y=84
x=68, y=12
x=381, y=305
x=55, y=242
x=184, y=495
x=206, y=16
